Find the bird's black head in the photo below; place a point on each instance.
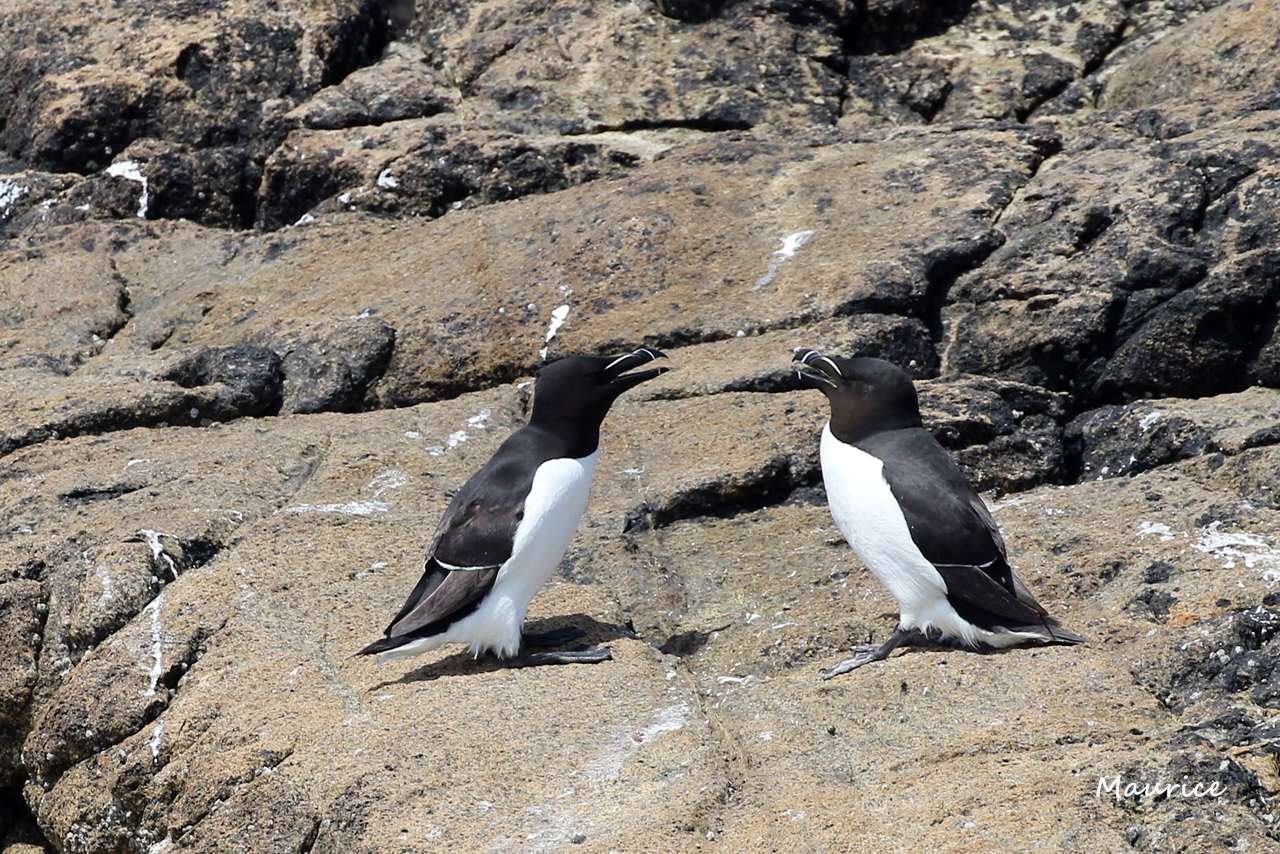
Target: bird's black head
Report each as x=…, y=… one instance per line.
x=867, y=395
x=573, y=394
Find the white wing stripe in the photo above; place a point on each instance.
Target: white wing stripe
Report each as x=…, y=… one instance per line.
x=453, y=568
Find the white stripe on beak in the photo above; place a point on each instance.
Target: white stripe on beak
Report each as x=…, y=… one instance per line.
x=617, y=360
x=645, y=350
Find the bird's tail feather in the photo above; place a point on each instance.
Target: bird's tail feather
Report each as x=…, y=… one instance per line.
x=1049, y=632
x=385, y=644
x=1061, y=634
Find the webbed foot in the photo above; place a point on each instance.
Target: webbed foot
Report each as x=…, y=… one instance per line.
x=867, y=653
x=581, y=655
x=555, y=637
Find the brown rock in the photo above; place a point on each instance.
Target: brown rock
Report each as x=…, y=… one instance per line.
x=755, y=603
x=1121, y=288
x=988, y=61
x=571, y=67
x=401, y=85
x=53, y=329
x=116, y=75
x=426, y=168
x=1232, y=48
x=729, y=236
x=224, y=450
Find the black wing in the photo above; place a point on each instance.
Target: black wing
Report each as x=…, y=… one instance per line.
x=473, y=540
x=953, y=529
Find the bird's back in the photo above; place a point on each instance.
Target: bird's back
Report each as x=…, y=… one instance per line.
x=947, y=518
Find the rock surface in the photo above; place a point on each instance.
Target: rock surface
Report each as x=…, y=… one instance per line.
x=274, y=278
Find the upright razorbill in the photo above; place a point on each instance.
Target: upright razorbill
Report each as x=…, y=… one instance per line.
x=507, y=528
x=912, y=517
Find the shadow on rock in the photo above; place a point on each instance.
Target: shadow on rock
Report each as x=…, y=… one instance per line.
x=462, y=663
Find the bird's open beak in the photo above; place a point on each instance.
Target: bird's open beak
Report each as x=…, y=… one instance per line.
x=813, y=369
x=617, y=370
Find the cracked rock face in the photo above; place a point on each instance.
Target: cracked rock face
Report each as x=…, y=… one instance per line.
x=274, y=278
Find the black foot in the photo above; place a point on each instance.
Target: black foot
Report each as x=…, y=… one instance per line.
x=867, y=653
x=583, y=655
x=555, y=637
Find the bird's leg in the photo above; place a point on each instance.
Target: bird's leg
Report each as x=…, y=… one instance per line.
x=867, y=653
x=583, y=655
x=555, y=637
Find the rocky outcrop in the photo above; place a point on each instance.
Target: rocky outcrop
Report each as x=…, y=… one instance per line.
x=1230, y=49
x=1115, y=441
x=274, y=279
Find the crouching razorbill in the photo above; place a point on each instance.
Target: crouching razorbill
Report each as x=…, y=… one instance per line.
x=507, y=528
x=913, y=519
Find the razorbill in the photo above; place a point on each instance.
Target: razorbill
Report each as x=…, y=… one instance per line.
x=507, y=528
x=912, y=517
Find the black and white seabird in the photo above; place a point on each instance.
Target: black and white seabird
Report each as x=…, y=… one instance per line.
x=507, y=528
x=913, y=518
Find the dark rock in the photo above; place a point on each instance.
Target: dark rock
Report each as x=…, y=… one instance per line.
x=315, y=384
x=292, y=185
x=251, y=378
x=20, y=629
x=27, y=197
x=331, y=371
x=212, y=94
x=891, y=26
x=401, y=85
x=1006, y=436
x=911, y=61
x=1162, y=301
x=422, y=169
x=1236, y=653
x=1199, y=818
x=690, y=10
x=211, y=107
x=448, y=175
x=1153, y=603
x=1045, y=77
x=1103, y=453
x=19, y=832
x=1265, y=367
x=1190, y=343
x=213, y=186
x=1124, y=440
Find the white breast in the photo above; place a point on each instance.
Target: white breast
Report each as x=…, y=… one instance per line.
x=552, y=511
x=872, y=522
